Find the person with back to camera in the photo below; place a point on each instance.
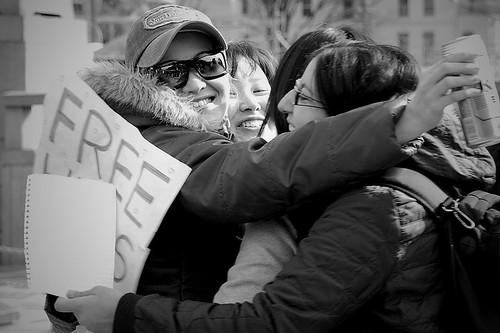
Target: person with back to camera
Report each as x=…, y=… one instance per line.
x=412, y=298
x=297, y=300
x=265, y=250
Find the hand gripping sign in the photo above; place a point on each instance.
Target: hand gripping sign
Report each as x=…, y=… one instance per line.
x=83, y=137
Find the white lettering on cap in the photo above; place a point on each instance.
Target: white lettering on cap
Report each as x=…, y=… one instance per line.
x=171, y=15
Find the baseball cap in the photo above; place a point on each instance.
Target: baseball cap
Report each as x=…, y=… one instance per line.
x=153, y=32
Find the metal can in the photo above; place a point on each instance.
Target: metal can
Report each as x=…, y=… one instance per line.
x=480, y=115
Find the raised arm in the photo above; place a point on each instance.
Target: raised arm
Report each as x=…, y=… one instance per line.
x=255, y=180
x=249, y=181
x=433, y=93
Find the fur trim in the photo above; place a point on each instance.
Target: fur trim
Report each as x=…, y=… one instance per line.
x=133, y=93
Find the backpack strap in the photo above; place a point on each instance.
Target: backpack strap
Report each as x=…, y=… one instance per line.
x=426, y=192
x=433, y=198
x=470, y=255
x=417, y=185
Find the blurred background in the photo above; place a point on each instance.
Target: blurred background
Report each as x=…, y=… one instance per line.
x=419, y=26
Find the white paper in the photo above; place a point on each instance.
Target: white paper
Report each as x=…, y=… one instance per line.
x=70, y=228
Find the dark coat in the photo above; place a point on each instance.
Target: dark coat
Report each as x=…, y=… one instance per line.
x=236, y=183
x=370, y=263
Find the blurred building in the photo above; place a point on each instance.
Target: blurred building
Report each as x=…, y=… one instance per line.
x=39, y=40
x=419, y=26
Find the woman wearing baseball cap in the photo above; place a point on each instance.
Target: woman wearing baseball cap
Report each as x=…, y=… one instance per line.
x=177, y=96
x=169, y=42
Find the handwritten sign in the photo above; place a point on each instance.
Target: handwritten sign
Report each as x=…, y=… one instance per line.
x=83, y=137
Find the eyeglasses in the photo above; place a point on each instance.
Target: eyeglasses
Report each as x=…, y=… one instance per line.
x=300, y=94
x=175, y=73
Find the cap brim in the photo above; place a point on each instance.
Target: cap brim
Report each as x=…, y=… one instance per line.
x=159, y=46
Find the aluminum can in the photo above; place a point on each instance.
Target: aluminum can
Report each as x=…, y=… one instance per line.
x=479, y=115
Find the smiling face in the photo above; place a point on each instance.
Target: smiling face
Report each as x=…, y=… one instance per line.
x=208, y=97
x=247, y=106
x=301, y=105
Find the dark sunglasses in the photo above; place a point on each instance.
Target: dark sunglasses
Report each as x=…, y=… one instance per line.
x=175, y=73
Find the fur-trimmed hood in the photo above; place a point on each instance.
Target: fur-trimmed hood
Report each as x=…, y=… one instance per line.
x=131, y=93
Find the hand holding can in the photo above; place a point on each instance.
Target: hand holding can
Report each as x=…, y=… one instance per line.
x=479, y=115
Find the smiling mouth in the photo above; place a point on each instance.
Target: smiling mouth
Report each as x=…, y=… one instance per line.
x=251, y=124
x=200, y=104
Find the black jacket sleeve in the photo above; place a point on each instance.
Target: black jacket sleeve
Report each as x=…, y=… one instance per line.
x=348, y=255
x=250, y=181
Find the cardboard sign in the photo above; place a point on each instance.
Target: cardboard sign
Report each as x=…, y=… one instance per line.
x=83, y=137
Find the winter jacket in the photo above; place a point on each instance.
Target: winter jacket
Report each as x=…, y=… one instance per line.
x=370, y=262
x=234, y=183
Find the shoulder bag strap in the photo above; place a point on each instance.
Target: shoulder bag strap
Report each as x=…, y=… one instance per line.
x=417, y=185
